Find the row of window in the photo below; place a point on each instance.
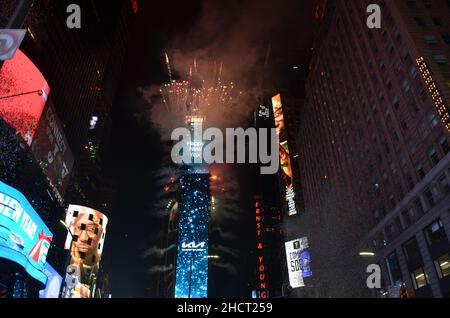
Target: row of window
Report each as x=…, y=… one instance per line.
x=433, y=40
x=435, y=234
x=407, y=217
x=420, y=21
x=427, y=3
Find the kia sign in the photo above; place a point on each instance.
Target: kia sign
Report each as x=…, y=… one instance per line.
x=10, y=41
x=193, y=247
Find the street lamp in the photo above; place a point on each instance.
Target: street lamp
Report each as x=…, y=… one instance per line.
x=367, y=253
x=69, y=253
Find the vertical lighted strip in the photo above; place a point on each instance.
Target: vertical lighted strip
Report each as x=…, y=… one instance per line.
x=262, y=271
x=431, y=85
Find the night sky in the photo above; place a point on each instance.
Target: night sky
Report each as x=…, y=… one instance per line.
x=136, y=150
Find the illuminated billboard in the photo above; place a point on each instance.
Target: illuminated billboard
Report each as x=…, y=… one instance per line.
x=298, y=261
x=285, y=158
x=24, y=238
x=85, y=241
x=52, y=151
x=23, y=94
x=262, y=291
x=54, y=281
x=192, y=252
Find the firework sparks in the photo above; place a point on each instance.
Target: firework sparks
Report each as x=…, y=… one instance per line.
x=169, y=69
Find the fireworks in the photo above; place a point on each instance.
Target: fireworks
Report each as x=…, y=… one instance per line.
x=199, y=94
x=169, y=69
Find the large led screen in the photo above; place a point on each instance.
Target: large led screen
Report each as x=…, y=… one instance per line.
x=24, y=238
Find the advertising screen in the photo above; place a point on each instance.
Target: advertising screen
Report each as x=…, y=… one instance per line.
x=54, y=281
x=191, y=279
x=285, y=159
x=52, y=151
x=85, y=241
x=298, y=261
x=23, y=94
x=24, y=238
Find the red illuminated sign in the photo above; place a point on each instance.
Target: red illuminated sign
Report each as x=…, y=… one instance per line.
x=262, y=270
x=134, y=5
x=23, y=94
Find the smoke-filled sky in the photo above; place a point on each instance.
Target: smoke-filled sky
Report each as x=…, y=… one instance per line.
x=244, y=36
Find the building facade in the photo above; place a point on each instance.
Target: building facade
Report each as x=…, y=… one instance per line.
x=373, y=145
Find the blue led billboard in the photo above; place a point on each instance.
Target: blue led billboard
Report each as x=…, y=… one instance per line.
x=192, y=256
x=24, y=238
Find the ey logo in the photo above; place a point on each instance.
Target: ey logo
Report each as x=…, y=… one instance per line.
x=374, y=19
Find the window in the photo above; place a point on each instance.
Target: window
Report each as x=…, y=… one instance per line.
x=429, y=198
x=434, y=158
x=446, y=38
x=393, y=168
x=412, y=146
x=395, y=102
x=445, y=147
x=420, y=171
x=420, y=21
x=390, y=48
x=423, y=130
x=418, y=206
x=423, y=95
x=410, y=182
x=404, y=53
x=413, y=71
x=394, y=135
x=411, y=3
x=389, y=84
x=433, y=118
x=430, y=39
x=396, y=34
x=398, y=66
x=411, y=250
x=440, y=59
x=444, y=184
x=394, y=267
x=435, y=233
x=419, y=278
x=443, y=266
x=437, y=21
x=408, y=217
x=392, y=201
x=403, y=125
x=405, y=85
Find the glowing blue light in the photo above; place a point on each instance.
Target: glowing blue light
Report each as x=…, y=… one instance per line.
x=192, y=260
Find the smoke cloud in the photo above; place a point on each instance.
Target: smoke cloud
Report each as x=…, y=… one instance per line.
x=160, y=269
x=158, y=251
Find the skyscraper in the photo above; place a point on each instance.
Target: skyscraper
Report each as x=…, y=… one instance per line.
x=374, y=144
x=193, y=227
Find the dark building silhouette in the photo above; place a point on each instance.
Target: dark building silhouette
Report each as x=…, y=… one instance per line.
x=373, y=149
